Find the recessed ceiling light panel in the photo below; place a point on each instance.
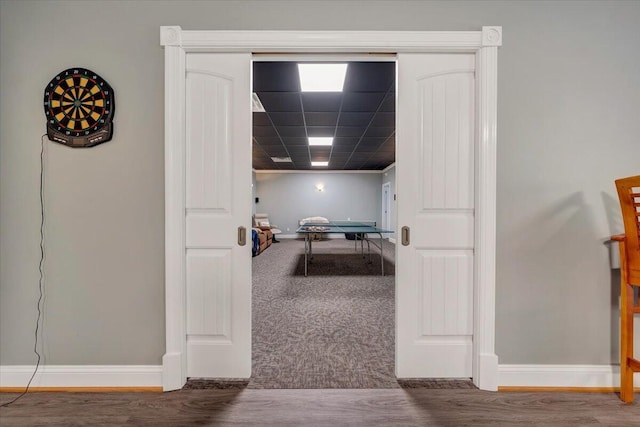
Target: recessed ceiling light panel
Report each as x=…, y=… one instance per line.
x=281, y=159
x=314, y=140
x=322, y=77
x=319, y=163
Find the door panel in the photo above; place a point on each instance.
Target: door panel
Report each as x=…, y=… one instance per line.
x=435, y=187
x=218, y=201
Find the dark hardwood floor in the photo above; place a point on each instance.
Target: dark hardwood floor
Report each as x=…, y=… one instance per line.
x=322, y=407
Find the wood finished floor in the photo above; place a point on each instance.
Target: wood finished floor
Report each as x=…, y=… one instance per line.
x=325, y=407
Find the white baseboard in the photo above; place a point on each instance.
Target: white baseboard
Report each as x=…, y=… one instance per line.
x=82, y=376
x=561, y=376
x=596, y=376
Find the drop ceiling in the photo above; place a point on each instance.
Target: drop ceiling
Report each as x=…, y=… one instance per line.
x=361, y=119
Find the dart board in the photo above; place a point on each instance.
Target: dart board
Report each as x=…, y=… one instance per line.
x=79, y=105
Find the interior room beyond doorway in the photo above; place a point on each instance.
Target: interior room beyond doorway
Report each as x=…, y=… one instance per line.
x=334, y=328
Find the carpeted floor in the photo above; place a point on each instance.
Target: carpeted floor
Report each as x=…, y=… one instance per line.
x=332, y=329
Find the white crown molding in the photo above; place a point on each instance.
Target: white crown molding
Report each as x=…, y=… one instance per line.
x=329, y=41
x=391, y=166
x=82, y=376
x=560, y=376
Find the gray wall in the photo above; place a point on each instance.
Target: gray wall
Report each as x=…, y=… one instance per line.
x=289, y=197
x=568, y=108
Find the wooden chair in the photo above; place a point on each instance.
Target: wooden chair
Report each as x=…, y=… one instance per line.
x=629, y=195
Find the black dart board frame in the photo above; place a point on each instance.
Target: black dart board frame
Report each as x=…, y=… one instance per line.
x=79, y=105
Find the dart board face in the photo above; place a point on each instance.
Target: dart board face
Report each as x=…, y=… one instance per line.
x=79, y=106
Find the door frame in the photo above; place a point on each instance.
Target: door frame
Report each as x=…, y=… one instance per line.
x=385, y=220
x=177, y=43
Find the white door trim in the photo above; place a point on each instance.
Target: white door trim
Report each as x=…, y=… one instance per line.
x=386, y=208
x=484, y=44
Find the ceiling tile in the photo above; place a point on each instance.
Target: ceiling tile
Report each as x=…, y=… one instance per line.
x=292, y=131
x=321, y=119
x=370, y=144
x=305, y=164
x=275, y=150
x=321, y=101
x=337, y=149
x=379, y=132
x=370, y=76
x=269, y=131
x=350, y=131
x=353, y=165
x=280, y=101
x=354, y=119
x=267, y=140
x=321, y=131
x=298, y=149
x=295, y=141
x=388, y=145
x=389, y=103
x=384, y=119
x=336, y=164
x=338, y=160
x=369, y=101
x=300, y=157
x=275, y=77
x=261, y=119
x=285, y=166
x=345, y=141
x=361, y=156
x=287, y=119
x=319, y=150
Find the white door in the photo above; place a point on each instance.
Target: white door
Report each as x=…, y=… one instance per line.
x=386, y=208
x=435, y=197
x=218, y=190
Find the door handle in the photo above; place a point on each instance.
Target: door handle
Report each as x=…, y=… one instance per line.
x=242, y=236
x=406, y=238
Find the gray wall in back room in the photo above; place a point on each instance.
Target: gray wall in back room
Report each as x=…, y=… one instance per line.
x=568, y=103
x=289, y=197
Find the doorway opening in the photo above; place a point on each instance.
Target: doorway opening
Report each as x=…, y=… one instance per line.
x=335, y=327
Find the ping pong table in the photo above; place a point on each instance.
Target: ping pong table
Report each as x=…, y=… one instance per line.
x=361, y=230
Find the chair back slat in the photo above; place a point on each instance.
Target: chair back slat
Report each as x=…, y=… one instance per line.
x=629, y=195
x=635, y=196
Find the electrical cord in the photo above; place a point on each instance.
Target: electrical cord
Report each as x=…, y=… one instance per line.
x=35, y=345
